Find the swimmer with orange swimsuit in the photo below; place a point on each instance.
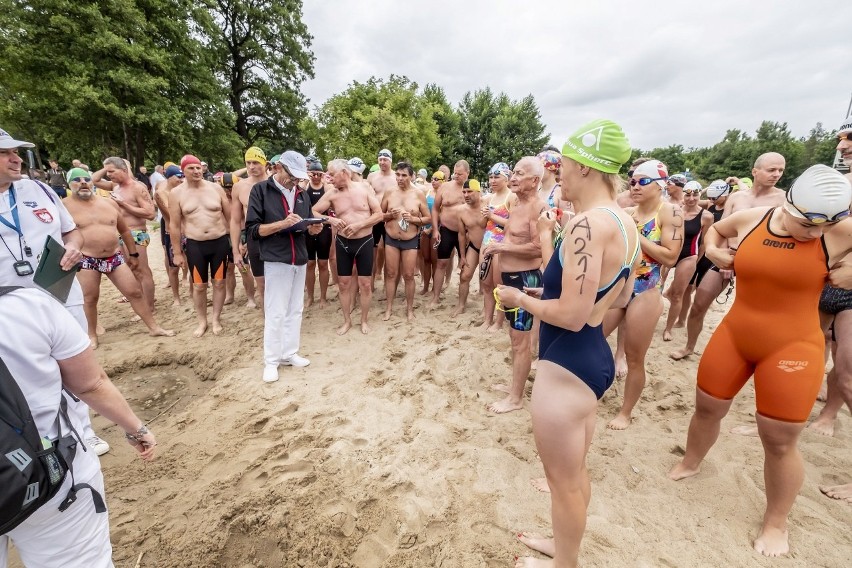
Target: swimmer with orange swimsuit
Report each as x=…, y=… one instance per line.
x=772, y=332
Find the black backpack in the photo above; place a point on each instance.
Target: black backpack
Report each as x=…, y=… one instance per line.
x=32, y=467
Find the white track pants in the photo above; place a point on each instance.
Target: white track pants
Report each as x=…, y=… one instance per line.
x=283, y=303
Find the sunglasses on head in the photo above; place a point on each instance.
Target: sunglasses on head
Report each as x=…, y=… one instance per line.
x=81, y=179
x=644, y=181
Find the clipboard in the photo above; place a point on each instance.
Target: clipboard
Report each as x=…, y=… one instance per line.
x=49, y=275
x=304, y=223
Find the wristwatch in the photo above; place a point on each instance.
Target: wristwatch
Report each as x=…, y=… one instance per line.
x=133, y=254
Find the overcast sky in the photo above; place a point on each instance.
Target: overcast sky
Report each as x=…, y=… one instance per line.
x=668, y=71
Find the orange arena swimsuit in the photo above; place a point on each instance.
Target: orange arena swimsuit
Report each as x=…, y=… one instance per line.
x=772, y=330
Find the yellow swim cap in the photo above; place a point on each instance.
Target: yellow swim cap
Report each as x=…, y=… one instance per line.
x=167, y=164
x=473, y=184
x=255, y=154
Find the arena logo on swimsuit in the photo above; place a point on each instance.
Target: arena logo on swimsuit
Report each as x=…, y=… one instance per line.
x=792, y=366
x=778, y=244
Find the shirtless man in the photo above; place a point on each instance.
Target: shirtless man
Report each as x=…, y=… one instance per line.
x=100, y=221
x=405, y=211
x=201, y=208
x=381, y=180
x=472, y=230
x=137, y=208
x=241, y=243
x=768, y=169
x=445, y=224
x=356, y=210
x=173, y=178
x=520, y=267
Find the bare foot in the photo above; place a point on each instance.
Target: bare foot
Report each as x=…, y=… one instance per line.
x=200, y=330
x=841, y=492
x=504, y=406
x=745, y=430
x=160, y=332
x=530, y=562
x=217, y=328
x=667, y=335
x=822, y=396
x=456, y=311
x=621, y=366
x=431, y=305
x=499, y=387
x=250, y=303
x=176, y=303
x=424, y=291
x=229, y=301
x=122, y=300
x=100, y=330
x=824, y=426
x=540, y=484
x=497, y=326
x=538, y=543
x=323, y=303
x=410, y=315
x=365, y=329
x=680, y=354
x=344, y=328
x=136, y=318
x=679, y=324
x=386, y=316
x=680, y=471
x=772, y=542
x=619, y=423
x=485, y=325
x=93, y=339
x=309, y=302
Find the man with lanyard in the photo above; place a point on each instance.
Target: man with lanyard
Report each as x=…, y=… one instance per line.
x=276, y=206
x=29, y=213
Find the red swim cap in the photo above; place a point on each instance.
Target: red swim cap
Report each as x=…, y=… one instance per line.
x=187, y=160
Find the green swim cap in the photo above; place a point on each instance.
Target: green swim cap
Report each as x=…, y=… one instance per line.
x=374, y=168
x=600, y=145
x=77, y=173
x=274, y=159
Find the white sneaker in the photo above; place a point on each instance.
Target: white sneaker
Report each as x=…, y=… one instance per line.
x=270, y=373
x=296, y=361
x=99, y=446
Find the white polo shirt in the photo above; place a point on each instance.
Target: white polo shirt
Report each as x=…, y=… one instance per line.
x=41, y=213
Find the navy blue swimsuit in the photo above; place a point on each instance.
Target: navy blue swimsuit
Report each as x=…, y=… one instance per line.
x=585, y=353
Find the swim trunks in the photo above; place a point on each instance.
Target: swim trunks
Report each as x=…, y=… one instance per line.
x=166, y=240
x=253, y=253
x=102, y=265
x=141, y=237
x=354, y=253
x=449, y=241
x=772, y=330
x=378, y=233
x=471, y=246
x=835, y=300
x=319, y=245
x=585, y=353
x=520, y=319
x=409, y=244
x=207, y=259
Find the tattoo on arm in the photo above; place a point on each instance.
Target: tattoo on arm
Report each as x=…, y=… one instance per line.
x=677, y=223
x=581, y=254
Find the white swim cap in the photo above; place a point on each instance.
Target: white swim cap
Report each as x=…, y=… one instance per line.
x=718, y=189
x=846, y=126
x=655, y=170
x=692, y=186
x=820, y=194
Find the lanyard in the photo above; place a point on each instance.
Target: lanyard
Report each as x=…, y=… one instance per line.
x=13, y=206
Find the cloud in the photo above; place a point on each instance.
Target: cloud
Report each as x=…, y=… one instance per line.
x=670, y=72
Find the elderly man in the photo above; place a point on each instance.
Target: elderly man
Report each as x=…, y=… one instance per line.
x=29, y=213
x=137, y=207
x=201, y=208
x=356, y=210
x=520, y=266
x=100, y=221
x=405, y=211
x=276, y=207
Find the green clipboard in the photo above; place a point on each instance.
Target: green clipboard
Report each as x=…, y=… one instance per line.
x=49, y=274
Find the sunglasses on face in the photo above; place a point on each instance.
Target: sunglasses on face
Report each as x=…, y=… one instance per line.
x=81, y=179
x=643, y=181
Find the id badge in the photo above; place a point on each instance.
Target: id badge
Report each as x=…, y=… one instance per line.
x=23, y=268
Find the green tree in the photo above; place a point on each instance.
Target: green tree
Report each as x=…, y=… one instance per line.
x=261, y=55
x=819, y=147
x=378, y=114
x=447, y=120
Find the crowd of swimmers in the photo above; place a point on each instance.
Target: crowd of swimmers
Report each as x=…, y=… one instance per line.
x=566, y=252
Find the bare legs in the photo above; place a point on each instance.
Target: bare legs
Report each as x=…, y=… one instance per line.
x=840, y=377
x=711, y=286
x=521, y=362
x=311, y=278
x=683, y=273
x=394, y=258
x=438, y=280
x=471, y=265
x=347, y=295
x=199, y=299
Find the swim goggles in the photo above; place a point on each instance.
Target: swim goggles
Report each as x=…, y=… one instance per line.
x=644, y=181
x=818, y=218
x=81, y=179
x=498, y=305
x=692, y=192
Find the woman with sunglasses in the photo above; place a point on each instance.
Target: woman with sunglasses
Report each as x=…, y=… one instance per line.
x=772, y=332
x=660, y=225
x=696, y=222
x=588, y=272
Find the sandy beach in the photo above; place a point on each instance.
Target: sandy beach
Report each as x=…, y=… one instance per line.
x=381, y=453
